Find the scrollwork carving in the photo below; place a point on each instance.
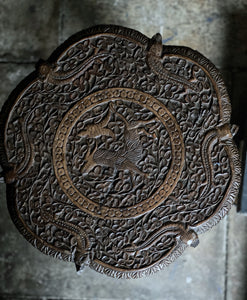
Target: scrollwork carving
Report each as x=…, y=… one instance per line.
x=118, y=151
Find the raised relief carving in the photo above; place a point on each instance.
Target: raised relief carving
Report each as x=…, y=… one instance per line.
x=154, y=58
x=116, y=179
x=124, y=157
x=118, y=152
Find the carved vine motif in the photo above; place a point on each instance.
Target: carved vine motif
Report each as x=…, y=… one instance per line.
x=122, y=154
x=119, y=152
x=117, y=146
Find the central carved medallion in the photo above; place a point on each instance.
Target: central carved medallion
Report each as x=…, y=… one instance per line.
x=118, y=153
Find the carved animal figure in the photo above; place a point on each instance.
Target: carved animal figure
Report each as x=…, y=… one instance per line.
x=51, y=73
x=187, y=236
x=98, y=129
x=154, y=61
x=80, y=250
x=224, y=133
x=125, y=158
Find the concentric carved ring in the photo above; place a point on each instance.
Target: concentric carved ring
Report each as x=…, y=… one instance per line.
x=126, y=160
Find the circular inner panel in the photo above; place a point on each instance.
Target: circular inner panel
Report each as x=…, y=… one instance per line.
x=118, y=153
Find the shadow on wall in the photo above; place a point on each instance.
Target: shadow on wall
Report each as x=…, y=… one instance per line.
x=82, y=16
x=235, y=62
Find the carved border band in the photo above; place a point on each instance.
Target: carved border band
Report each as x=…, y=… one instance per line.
x=59, y=152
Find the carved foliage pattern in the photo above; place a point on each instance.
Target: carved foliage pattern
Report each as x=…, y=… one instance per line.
x=94, y=64
x=133, y=174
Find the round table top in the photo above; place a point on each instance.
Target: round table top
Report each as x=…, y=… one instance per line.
x=118, y=151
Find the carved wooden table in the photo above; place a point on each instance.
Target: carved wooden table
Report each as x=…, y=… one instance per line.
x=117, y=152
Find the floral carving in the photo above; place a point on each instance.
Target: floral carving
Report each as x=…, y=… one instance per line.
x=118, y=152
